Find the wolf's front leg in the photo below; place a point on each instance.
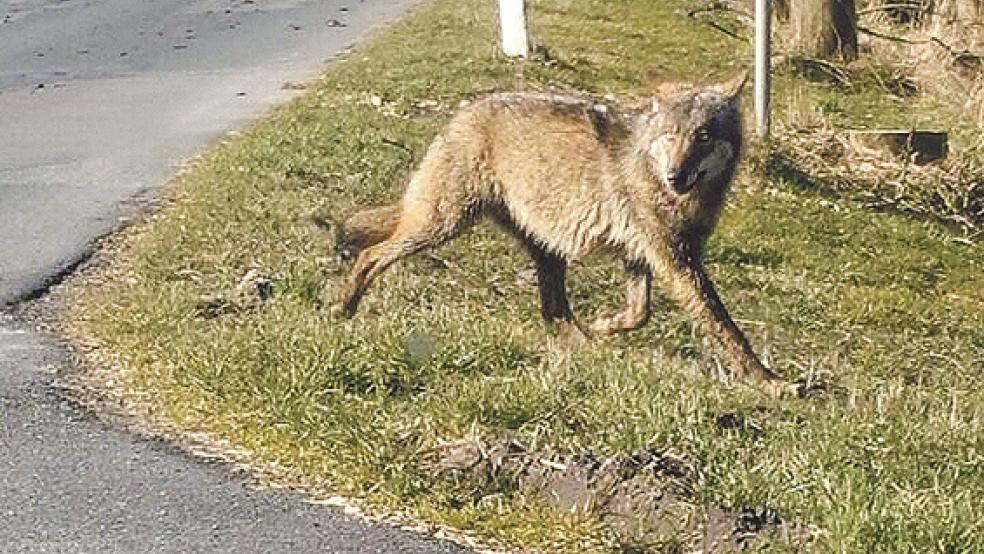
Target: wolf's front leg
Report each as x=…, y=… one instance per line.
x=636, y=311
x=551, y=276
x=688, y=283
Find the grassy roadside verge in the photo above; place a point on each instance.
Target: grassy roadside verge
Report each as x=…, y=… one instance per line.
x=885, y=306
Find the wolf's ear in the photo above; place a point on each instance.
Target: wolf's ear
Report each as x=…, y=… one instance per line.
x=662, y=86
x=733, y=87
x=661, y=91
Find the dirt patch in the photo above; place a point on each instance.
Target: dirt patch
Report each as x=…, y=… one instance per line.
x=645, y=497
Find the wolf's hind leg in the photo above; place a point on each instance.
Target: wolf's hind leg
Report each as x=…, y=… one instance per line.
x=636, y=311
x=416, y=230
x=367, y=228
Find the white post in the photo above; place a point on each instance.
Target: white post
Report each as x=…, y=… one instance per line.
x=763, y=31
x=512, y=16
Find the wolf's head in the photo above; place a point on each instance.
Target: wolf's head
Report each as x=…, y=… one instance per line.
x=692, y=135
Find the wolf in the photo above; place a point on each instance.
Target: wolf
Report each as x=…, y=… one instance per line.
x=568, y=175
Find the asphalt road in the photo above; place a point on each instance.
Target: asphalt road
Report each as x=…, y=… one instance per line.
x=100, y=101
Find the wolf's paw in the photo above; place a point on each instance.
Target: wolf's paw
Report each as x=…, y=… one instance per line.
x=337, y=311
x=619, y=321
x=604, y=324
x=570, y=335
x=779, y=388
x=344, y=308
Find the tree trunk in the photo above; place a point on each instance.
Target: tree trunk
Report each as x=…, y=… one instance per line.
x=825, y=28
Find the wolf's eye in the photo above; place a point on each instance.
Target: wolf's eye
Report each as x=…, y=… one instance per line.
x=703, y=136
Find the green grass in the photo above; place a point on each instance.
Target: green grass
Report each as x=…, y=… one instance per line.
x=885, y=306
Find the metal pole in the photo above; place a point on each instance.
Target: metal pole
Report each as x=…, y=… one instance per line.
x=512, y=16
x=763, y=32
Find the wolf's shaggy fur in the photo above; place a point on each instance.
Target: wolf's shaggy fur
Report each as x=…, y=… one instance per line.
x=567, y=176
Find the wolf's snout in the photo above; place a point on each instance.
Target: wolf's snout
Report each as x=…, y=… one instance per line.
x=679, y=181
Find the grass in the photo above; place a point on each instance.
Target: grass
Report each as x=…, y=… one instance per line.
x=885, y=306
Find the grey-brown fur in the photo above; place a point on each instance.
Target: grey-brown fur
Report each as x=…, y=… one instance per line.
x=568, y=176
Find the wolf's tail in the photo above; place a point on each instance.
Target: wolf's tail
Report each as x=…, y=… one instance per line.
x=367, y=228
